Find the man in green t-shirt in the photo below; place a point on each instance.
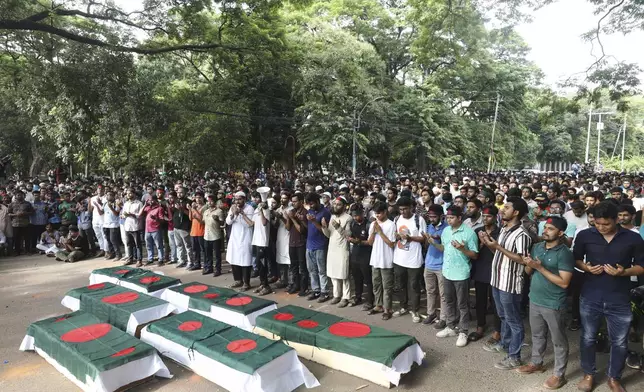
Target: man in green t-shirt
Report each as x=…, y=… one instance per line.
x=551, y=264
x=67, y=210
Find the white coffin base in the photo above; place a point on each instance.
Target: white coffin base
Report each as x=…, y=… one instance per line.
x=245, y=322
x=372, y=371
x=109, y=380
x=283, y=374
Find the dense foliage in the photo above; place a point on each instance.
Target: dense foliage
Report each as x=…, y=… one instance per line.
x=224, y=84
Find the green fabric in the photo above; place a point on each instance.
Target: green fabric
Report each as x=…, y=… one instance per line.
x=542, y=291
x=111, y=271
x=134, y=276
x=164, y=282
x=199, y=302
x=213, y=337
x=89, y=358
x=289, y=330
x=91, y=301
x=380, y=345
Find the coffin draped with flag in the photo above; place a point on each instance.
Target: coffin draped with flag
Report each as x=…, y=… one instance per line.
x=229, y=306
x=94, y=355
x=125, y=309
x=235, y=359
x=372, y=353
x=137, y=279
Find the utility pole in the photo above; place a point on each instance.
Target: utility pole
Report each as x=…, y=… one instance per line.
x=623, y=143
x=356, y=128
x=600, y=125
x=590, y=117
x=496, y=113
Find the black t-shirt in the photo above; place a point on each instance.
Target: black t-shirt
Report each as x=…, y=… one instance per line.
x=79, y=242
x=360, y=253
x=482, y=267
x=180, y=219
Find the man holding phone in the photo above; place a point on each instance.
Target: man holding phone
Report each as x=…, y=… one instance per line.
x=613, y=254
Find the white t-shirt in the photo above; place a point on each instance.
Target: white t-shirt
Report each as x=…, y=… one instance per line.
x=579, y=222
x=261, y=232
x=638, y=203
x=110, y=220
x=382, y=256
x=409, y=254
x=132, y=207
x=97, y=218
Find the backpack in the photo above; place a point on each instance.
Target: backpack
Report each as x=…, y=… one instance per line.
x=416, y=221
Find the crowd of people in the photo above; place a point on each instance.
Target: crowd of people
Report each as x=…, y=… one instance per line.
x=527, y=243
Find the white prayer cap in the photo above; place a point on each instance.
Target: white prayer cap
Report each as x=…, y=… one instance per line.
x=343, y=186
x=318, y=188
x=240, y=194
x=327, y=194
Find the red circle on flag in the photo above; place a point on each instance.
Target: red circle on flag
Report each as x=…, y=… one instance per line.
x=122, y=271
x=124, y=352
x=350, y=329
x=241, y=346
x=149, y=279
x=190, y=326
x=121, y=298
x=96, y=286
x=86, y=333
x=283, y=317
x=195, y=288
x=307, y=324
x=239, y=301
x=211, y=295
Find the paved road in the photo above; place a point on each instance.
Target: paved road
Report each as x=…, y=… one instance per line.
x=31, y=288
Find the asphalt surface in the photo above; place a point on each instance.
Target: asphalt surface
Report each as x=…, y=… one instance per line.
x=31, y=288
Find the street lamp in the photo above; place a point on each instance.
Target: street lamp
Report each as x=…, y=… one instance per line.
x=356, y=127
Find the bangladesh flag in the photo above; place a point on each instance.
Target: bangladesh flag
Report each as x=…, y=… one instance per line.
x=231, y=346
x=307, y=326
x=202, y=297
x=138, y=279
x=123, y=308
x=85, y=346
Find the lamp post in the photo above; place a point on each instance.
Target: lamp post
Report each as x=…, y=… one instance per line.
x=356, y=127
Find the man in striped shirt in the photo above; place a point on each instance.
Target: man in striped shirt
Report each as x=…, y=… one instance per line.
x=507, y=279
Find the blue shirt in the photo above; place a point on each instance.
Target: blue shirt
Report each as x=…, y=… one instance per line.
x=315, y=239
x=39, y=217
x=456, y=265
x=434, y=257
x=54, y=218
x=625, y=249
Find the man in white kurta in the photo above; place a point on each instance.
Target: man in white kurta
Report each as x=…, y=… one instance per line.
x=337, y=261
x=283, y=237
x=239, y=251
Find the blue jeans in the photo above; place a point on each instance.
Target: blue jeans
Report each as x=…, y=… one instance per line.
x=618, y=319
x=316, y=263
x=152, y=239
x=173, y=246
x=508, y=306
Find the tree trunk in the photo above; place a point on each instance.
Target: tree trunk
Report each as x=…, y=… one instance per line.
x=127, y=149
x=89, y=150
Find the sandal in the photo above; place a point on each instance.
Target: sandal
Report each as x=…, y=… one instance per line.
x=474, y=336
x=386, y=316
x=375, y=310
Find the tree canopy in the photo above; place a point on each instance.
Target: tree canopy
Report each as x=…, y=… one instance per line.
x=210, y=84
